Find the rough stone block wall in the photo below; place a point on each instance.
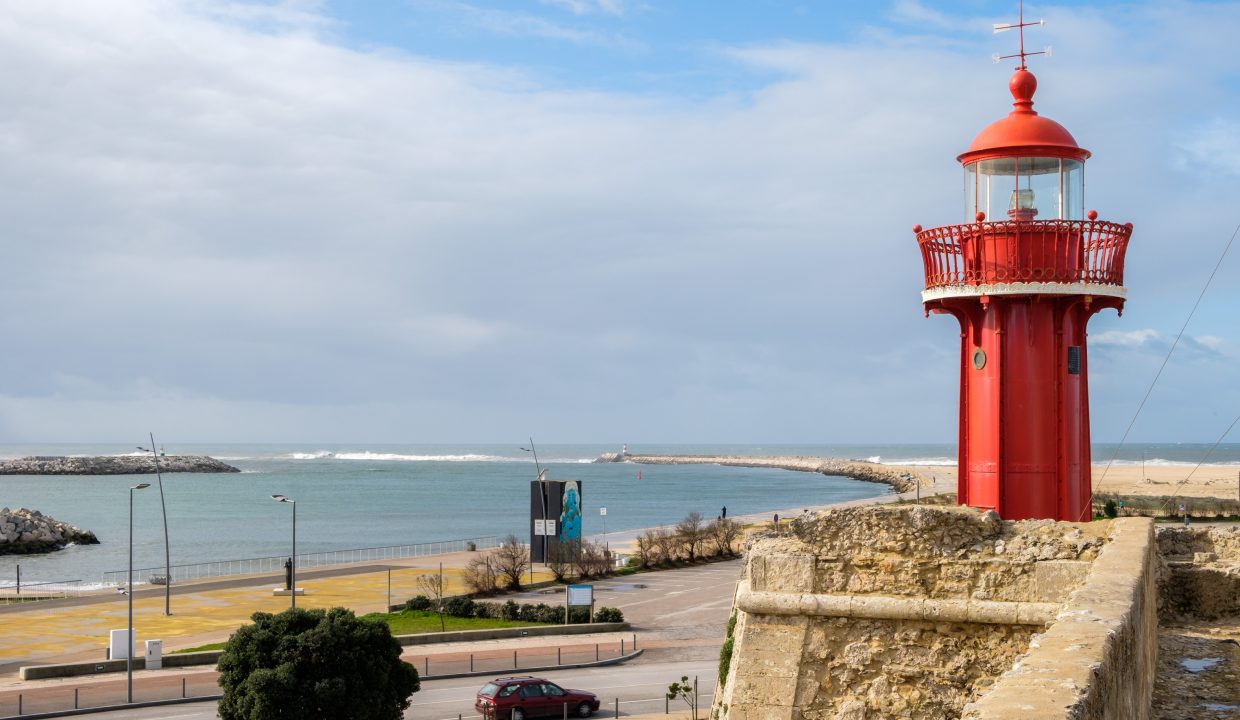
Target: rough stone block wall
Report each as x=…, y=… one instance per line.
x=895, y=612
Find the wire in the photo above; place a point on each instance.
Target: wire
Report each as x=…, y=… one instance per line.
x=1175, y=492
x=1162, y=367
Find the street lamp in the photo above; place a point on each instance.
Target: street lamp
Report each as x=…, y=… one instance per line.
x=129, y=592
x=167, y=552
x=542, y=493
x=292, y=591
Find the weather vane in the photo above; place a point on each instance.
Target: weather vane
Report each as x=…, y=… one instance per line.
x=1020, y=25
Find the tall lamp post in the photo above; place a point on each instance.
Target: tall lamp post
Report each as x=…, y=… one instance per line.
x=167, y=551
x=129, y=592
x=292, y=591
x=542, y=493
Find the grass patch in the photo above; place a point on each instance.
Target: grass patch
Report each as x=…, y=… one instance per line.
x=415, y=622
x=200, y=648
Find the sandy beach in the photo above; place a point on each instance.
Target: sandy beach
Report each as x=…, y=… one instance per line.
x=1208, y=481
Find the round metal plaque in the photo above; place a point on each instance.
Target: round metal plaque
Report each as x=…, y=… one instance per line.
x=979, y=358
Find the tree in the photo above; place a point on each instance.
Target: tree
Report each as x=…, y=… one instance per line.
x=432, y=585
x=687, y=692
x=667, y=542
x=481, y=575
x=560, y=559
x=592, y=559
x=691, y=532
x=646, y=549
x=512, y=559
x=724, y=533
x=314, y=665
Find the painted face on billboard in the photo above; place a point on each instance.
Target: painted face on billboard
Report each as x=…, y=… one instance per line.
x=570, y=515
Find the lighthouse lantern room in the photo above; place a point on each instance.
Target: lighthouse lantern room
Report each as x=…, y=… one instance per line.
x=1023, y=275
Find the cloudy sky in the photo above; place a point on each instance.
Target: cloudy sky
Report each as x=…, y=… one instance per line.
x=586, y=220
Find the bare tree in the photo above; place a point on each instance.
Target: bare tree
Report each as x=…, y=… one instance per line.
x=668, y=544
x=647, y=549
x=560, y=560
x=724, y=533
x=432, y=587
x=592, y=560
x=512, y=559
x=481, y=575
x=691, y=531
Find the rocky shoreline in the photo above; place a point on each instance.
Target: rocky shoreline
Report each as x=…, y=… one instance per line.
x=903, y=480
x=113, y=465
x=24, y=532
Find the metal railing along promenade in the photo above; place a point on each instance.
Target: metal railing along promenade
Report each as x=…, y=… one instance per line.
x=305, y=561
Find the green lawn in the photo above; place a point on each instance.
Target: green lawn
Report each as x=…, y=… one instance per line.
x=413, y=622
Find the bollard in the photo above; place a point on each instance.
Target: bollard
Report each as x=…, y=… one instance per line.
x=514, y=659
x=565, y=711
x=622, y=646
x=595, y=652
x=634, y=642
x=617, y=708
x=426, y=663
x=182, y=687
x=557, y=657
x=471, y=662
x=665, y=704
x=19, y=704
x=75, y=698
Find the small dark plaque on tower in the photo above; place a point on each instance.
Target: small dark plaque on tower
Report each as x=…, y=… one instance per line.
x=1074, y=360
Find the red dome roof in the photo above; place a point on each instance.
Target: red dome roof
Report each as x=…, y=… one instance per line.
x=1023, y=132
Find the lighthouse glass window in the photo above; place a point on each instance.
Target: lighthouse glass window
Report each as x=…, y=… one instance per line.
x=1025, y=188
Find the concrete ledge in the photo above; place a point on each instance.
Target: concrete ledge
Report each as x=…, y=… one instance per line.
x=210, y=657
x=1098, y=660
x=895, y=607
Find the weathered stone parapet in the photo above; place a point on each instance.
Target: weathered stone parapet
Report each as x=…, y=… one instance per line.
x=1097, y=661
x=113, y=465
x=894, y=607
x=25, y=531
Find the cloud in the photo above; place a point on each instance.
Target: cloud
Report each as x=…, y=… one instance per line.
x=238, y=227
x=615, y=8
x=1213, y=146
x=512, y=23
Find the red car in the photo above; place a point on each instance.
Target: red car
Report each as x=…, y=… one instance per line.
x=518, y=698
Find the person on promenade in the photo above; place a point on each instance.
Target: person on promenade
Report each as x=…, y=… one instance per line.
x=724, y=513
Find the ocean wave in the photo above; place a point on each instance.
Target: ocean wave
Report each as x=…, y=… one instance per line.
x=399, y=457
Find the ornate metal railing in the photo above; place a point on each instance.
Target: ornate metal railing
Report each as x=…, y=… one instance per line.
x=1037, y=251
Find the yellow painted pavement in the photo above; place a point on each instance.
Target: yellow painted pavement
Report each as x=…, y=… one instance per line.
x=55, y=634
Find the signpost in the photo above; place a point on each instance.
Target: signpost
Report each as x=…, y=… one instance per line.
x=603, y=514
x=578, y=596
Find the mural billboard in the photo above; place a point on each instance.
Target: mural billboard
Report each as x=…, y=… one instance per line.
x=555, y=517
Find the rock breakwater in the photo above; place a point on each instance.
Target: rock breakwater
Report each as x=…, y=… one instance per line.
x=901, y=479
x=113, y=465
x=25, y=532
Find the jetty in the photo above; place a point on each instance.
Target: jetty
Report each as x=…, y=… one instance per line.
x=112, y=465
x=902, y=479
x=25, y=532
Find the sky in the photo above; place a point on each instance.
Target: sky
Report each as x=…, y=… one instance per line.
x=433, y=221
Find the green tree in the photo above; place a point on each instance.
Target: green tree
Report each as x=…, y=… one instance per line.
x=314, y=665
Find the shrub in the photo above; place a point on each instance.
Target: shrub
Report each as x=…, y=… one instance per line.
x=725, y=652
x=314, y=665
x=459, y=606
x=512, y=559
x=482, y=574
x=578, y=614
x=419, y=602
x=510, y=610
x=1110, y=509
x=608, y=614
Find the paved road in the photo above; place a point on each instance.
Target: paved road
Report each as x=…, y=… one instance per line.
x=640, y=689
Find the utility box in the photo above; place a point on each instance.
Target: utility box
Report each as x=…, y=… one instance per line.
x=154, y=654
x=120, y=645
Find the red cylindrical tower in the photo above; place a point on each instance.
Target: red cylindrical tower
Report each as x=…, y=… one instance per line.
x=1023, y=288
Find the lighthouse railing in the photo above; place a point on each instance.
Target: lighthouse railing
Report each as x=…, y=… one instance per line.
x=1037, y=251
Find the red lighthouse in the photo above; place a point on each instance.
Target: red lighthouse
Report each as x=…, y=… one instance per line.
x=1023, y=276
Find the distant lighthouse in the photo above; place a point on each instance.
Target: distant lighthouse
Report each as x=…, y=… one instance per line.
x=1023, y=276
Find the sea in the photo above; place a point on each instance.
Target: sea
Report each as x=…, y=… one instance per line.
x=358, y=496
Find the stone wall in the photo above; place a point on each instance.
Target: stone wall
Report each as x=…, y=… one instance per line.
x=113, y=465
x=902, y=480
x=1098, y=660
x=895, y=611
x=1202, y=578
x=25, y=531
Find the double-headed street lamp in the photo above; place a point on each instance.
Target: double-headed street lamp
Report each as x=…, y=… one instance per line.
x=129, y=592
x=167, y=551
x=292, y=591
